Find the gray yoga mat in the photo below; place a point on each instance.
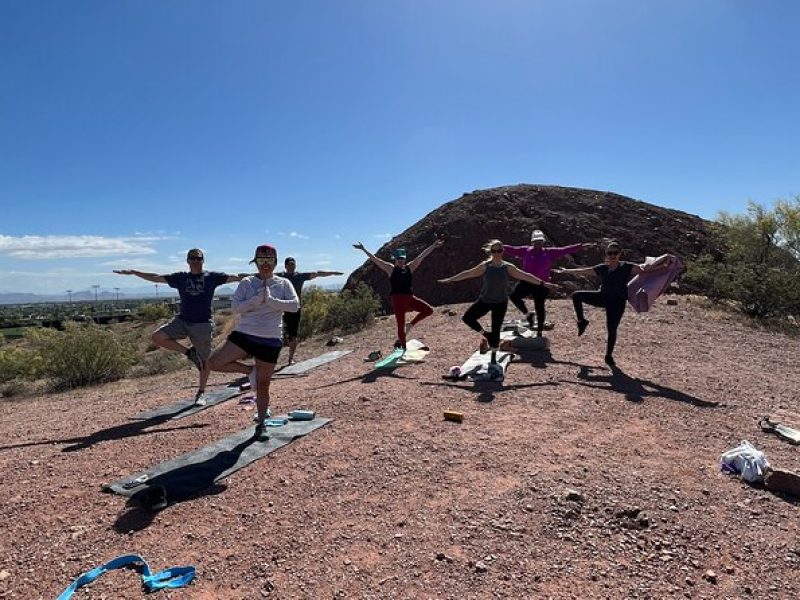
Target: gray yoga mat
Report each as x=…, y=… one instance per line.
x=306, y=365
x=187, y=407
x=183, y=477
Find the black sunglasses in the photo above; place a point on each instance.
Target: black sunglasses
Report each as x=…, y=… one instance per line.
x=195, y=258
x=499, y=251
x=612, y=253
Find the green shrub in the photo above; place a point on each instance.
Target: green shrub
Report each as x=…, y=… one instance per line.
x=17, y=362
x=757, y=267
x=315, y=304
x=351, y=310
x=150, y=313
x=158, y=363
x=82, y=355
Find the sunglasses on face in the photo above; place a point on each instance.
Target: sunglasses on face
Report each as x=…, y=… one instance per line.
x=265, y=260
x=496, y=250
x=612, y=253
x=195, y=258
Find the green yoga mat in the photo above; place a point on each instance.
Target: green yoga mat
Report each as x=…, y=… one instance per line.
x=415, y=352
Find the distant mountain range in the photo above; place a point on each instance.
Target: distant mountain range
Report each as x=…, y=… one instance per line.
x=110, y=296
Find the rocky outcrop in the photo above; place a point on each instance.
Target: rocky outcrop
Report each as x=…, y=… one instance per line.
x=566, y=215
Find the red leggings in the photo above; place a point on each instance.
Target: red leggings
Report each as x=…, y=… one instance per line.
x=403, y=303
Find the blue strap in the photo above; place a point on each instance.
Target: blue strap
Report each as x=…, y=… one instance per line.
x=174, y=577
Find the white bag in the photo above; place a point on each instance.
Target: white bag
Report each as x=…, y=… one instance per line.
x=749, y=463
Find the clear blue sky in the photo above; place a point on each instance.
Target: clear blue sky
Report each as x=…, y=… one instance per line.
x=133, y=130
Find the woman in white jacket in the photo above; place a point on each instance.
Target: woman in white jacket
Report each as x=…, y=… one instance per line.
x=259, y=303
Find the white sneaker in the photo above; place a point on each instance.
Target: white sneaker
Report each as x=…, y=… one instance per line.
x=255, y=416
x=252, y=379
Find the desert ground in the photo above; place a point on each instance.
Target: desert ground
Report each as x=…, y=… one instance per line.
x=564, y=481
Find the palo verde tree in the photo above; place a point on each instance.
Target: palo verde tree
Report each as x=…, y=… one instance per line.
x=758, y=263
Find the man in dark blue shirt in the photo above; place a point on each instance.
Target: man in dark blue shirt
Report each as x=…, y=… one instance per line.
x=196, y=290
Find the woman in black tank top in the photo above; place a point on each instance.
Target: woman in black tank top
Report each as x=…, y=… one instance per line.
x=401, y=281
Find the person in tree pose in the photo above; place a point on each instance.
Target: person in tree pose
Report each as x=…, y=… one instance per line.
x=614, y=275
x=259, y=303
x=291, y=320
x=536, y=260
x=195, y=321
x=400, y=277
x=493, y=297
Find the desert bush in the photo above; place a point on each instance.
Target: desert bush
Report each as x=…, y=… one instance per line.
x=315, y=303
x=82, y=355
x=158, y=363
x=13, y=388
x=351, y=310
x=758, y=264
x=18, y=362
x=153, y=312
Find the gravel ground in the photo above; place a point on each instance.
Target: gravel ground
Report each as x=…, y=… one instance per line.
x=564, y=481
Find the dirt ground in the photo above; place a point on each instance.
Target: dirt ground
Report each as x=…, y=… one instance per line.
x=564, y=481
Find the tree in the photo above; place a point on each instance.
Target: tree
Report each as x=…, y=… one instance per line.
x=759, y=263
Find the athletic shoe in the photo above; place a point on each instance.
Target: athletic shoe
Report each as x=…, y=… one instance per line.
x=192, y=356
x=582, y=325
x=200, y=398
x=252, y=379
x=269, y=415
x=398, y=344
x=484, y=347
x=261, y=433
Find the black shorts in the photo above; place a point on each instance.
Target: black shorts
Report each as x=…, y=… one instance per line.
x=291, y=323
x=262, y=352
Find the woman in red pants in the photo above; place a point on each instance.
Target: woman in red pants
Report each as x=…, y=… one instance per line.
x=400, y=277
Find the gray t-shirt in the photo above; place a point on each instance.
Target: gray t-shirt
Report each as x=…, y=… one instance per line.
x=495, y=284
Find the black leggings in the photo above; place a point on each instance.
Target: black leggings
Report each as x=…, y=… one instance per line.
x=614, y=311
x=477, y=310
x=525, y=289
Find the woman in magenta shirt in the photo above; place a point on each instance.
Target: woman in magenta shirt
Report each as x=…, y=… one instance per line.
x=536, y=260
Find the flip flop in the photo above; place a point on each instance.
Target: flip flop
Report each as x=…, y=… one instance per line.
x=782, y=431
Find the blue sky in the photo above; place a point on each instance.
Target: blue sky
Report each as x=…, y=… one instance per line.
x=133, y=130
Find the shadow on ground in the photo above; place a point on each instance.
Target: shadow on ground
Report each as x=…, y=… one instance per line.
x=635, y=389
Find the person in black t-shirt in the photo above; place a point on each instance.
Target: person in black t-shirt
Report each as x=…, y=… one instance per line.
x=291, y=320
x=196, y=290
x=400, y=277
x=614, y=276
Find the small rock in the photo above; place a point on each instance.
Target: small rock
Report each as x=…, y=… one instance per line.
x=480, y=567
x=442, y=556
x=710, y=576
x=574, y=496
x=4, y=575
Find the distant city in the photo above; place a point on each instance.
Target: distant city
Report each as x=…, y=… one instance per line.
x=112, y=294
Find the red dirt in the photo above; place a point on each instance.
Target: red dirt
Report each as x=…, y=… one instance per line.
x=564, y=482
